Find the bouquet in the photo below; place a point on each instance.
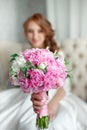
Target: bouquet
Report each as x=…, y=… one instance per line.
x=38, y=70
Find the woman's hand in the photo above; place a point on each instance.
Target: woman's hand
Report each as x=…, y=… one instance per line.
x=37, y=100
x=38, y=103
x=53, y=105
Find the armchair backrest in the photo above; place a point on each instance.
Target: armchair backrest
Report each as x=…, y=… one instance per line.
x=76, y=52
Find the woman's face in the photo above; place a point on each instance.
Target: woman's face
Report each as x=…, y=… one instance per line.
x=35, y=35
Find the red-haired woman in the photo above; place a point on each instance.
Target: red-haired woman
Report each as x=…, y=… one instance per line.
x=19, y=113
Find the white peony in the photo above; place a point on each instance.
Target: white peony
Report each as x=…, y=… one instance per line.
x=15, y=80
x=20, y=60
x=42, y=66
x=18, y=63
x=15, y=67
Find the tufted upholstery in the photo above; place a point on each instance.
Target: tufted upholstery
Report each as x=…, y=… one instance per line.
x=76, y=52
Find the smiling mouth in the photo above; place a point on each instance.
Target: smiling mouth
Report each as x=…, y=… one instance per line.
x=35, y=41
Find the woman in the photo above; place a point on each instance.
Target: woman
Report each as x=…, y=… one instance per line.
x=18, y=109
x=40, y=34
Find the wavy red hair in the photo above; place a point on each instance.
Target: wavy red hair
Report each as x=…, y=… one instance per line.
x=46, y=26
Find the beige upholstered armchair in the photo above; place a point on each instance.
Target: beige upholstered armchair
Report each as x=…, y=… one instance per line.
x=76, y=51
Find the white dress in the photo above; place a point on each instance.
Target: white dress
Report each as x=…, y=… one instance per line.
x=16, y=112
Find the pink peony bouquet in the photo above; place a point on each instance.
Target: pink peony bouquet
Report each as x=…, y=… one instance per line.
x=38, y=70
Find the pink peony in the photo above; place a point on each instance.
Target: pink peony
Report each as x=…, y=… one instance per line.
x=24, y=83
x=11, y=80
x=50, y=80
x=41, y=78
x=37, y=80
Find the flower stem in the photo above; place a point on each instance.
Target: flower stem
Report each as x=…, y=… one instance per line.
x=42, y=122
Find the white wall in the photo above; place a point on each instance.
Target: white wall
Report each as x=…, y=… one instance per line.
x=68, y=17
x=84, y=18
x=12, y=15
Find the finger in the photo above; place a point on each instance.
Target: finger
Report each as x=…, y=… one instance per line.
x=38, y=103
x=51, y=117
x=36, y=111
x=37, y=96
x=36, y=108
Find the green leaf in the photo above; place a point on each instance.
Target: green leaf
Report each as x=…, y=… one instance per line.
x=68, y=71
x=15, y=75
x=70, y=76
x=28, y=63
x=12, y=59
x=11, y=71
x=14, y=55
x=24, y=69
x=45, y=70
x=66, y=62
x=56, y=54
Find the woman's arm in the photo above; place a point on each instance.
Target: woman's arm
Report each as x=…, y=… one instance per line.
x=54, y=103
x=59, y=95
